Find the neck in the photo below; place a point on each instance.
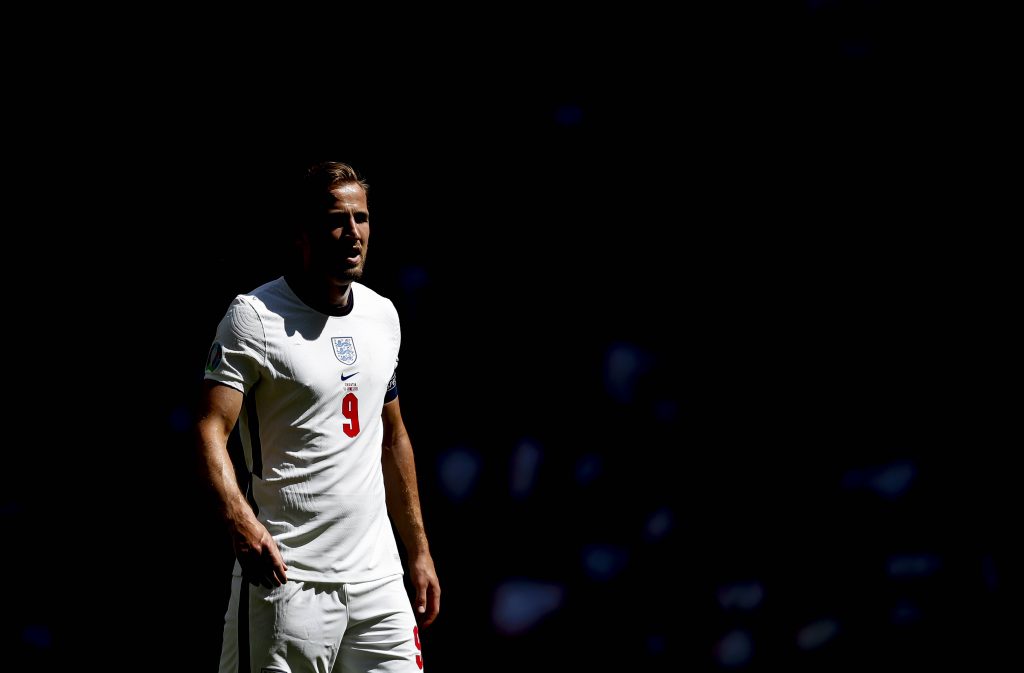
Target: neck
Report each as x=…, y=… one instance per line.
x=327, y=295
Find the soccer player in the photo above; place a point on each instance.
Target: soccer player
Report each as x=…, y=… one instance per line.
x=307, y=362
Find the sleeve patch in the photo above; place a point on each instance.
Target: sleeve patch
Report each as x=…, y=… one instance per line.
x=392, y=391
x=216, y=356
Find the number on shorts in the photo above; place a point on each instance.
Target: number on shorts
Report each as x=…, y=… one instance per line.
x=416, y=637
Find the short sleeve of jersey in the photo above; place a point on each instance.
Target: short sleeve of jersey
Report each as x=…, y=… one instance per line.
x=238, y=353
x=392, y=390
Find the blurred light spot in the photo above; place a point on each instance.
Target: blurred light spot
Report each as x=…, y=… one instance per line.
x=37, y=636
x=520, y=604
x=588, y=468
x=988, y=571
x=623, y=366
x=525, y=461
x=741, y=596
x=816, y=634
x=913, y=565
x=905, y=612
x=656, y=643
x=568, y=115
x=414, y=278
x=658, y=524
x=181, y=420
x=889, y=481
x=893, y=480
x=459, y=469
x=734, y=649
x=602, y=562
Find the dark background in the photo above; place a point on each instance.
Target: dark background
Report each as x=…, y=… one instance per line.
x=706, y=329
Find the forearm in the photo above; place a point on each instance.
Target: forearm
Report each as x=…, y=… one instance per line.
x=218, y=473
x=403, y=500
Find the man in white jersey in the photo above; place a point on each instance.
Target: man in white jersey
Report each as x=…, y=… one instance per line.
x=307, y=364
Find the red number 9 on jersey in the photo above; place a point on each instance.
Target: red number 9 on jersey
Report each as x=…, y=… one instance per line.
x=350, y=410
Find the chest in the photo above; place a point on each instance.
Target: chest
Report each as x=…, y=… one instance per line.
x=341, y=356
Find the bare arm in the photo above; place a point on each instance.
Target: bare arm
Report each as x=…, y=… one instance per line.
x=404, y=509
x=255, y=549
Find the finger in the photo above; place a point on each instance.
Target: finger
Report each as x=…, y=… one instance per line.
x=421, y=600
x=433, y=606
x=280, y=569
x=270, y=574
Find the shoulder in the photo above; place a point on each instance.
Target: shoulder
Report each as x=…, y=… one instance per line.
x=242, y=318
x=270, y=298
x=268, y=293
x=373, y=301
x=245, y=314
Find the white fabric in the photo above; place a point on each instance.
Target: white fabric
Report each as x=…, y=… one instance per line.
x=305, y=627
x=319, y=491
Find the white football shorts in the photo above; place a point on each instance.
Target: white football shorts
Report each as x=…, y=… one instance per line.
x=307, y=627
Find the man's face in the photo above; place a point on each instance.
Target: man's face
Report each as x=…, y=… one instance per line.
x=335, y=240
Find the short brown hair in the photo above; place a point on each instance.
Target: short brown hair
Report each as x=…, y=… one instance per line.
x=310, y=189
x=326, y=175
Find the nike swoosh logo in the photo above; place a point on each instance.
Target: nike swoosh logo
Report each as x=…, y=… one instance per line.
x=346, y=378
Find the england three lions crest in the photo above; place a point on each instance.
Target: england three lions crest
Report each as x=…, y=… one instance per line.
x=344, y=349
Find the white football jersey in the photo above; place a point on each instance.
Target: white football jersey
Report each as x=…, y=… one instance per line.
x=311, y=426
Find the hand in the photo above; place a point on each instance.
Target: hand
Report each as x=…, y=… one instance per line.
x=427, y=602
x=258, y=554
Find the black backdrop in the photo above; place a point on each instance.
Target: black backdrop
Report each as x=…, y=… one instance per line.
x=704, y=328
